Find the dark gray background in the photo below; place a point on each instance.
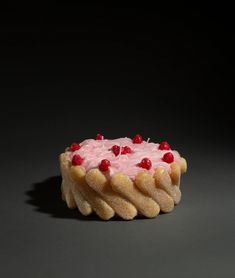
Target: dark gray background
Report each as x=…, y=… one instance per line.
x=69, y=72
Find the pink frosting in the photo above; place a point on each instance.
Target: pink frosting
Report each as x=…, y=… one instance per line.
x=93, y=151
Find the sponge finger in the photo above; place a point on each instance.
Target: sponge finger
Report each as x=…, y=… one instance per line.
x=102, y=209
x=183, y=165
x=67, y=195
x=125, y=186
x=163, y=181
x=146, y=183
x=72, y=195
x=99, y=183
x=175, y=173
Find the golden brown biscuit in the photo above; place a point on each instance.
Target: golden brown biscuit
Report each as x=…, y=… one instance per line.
x=102, y=209
x=146, y=183
x=125, y=186
x=163, y=181
x=100, y=184
x=72, y=195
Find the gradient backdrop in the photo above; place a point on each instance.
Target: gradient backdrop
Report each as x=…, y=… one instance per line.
x=69, y=72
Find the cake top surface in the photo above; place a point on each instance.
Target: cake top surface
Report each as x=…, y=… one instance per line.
x=125, y=155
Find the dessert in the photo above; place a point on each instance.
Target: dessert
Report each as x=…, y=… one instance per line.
x=124, y=177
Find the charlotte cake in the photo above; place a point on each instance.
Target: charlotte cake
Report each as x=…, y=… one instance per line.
x=122, y=177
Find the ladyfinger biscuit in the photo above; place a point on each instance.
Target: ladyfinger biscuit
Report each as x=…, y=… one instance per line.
x=183, y=165
x=163, y=181
x=146, y=183
x=123, y=185
x=102, y=209
x=100, y=184
x=73, y=197
x=175, y=173
x=67, y=195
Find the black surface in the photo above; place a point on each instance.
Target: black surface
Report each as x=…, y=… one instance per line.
x=69, y=72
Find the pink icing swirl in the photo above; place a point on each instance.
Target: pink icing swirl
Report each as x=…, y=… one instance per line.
x=93, y=151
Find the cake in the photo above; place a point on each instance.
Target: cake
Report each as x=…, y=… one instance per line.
x=123, y=177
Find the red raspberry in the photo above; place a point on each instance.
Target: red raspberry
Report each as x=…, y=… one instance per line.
x=168, y=157
x=74, y=147
x=104, y=165
x=137, y=139
x=77, y=160
x=116, y=149
x=99, y=137
x=164, y=146
x=126, y=150
x=145, y=163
